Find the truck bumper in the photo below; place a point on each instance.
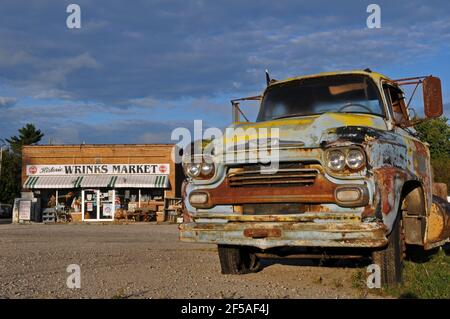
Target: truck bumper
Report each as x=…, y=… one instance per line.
x=266, y=235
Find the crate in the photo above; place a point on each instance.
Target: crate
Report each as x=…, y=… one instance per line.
x=49, y=215
x=172, y=209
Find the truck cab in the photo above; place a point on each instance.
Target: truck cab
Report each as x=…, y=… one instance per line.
x=332, y=166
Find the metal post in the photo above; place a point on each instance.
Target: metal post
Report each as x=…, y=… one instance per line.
x=235, y=112
x=139, y=198
x=82, y=205
x=113, y=209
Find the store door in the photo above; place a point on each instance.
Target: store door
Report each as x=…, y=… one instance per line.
x=98, y=204
x=106, y=207
x=90, y=204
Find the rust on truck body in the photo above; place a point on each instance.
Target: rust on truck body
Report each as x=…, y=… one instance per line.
x=322, y=191
x=394, y=161
x=294, y=234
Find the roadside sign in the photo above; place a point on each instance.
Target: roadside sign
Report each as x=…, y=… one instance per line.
x=25, y=210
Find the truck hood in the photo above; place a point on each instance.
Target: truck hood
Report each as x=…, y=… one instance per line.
x=306, y=132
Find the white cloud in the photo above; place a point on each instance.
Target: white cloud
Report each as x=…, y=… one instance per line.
x=7, y=101
x=148, y=102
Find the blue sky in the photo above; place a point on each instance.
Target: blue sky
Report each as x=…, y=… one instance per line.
x=138, y=69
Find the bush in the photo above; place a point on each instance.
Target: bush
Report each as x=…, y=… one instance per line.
x=441, y=171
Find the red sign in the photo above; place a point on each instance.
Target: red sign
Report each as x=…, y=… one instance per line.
x=162, y=169
x=32, y=170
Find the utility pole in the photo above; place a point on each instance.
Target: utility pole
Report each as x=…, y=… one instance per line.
x=1, y=161
x=1, y=155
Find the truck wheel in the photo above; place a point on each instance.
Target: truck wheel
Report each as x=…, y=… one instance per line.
x=238, y=260
x=390, y=258
x=446, y=249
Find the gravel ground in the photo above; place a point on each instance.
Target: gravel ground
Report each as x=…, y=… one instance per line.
x=146, y=261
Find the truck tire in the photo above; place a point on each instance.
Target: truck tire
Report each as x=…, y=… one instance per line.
x=446, y=249
x=390, y=258
x=237, y=260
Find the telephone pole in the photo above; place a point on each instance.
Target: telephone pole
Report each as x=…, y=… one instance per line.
x=3, y=144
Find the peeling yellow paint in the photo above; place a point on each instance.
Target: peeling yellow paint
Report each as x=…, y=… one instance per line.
x=297, y=128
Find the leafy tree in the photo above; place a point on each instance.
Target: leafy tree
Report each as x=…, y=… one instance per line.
x=436, y=132
x=28, y=135
x=10, y=179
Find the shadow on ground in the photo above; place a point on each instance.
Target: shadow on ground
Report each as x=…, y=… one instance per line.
x=5, y=221
x=337, y=263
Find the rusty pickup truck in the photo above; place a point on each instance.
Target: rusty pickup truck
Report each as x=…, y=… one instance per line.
x=351, y=178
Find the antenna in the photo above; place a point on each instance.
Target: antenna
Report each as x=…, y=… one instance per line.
x=267, y=77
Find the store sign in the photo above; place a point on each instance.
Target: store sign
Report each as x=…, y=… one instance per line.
x=108, y=209
x=98, y=169
x=25, y=210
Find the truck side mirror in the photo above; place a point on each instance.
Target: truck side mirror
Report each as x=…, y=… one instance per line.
x=432, y=97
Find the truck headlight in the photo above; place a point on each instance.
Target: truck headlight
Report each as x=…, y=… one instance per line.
x=204, y=170
x=355, y=159
x=207, y=168
x=193, y=169
x=336, y=160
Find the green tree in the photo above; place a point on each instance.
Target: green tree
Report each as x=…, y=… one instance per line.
x=10, y=179
x=436, y=132
x=28, y=135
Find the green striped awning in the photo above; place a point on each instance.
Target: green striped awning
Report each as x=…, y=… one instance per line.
x=52, y=182
x=29, y=183
x=97, y=181
x=141, y=181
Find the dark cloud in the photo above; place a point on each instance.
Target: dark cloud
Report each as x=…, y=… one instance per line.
x=143, y=59
x=73, y=124
x=171, y=49
x=129, y=132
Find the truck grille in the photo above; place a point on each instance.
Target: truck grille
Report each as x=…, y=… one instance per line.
x=287, y=175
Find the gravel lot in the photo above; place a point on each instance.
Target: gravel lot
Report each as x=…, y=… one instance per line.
x=146, y=261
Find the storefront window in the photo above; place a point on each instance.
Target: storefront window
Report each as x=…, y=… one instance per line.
x=152, y=194
x=127, y=199
x=68, y=199
x=134, y=198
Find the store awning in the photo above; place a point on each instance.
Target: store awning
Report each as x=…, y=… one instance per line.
x=141, y=181
x=50, y=182
x=97, y=181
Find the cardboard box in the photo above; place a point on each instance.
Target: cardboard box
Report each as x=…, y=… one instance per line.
x=76, y=217
x=160, y=217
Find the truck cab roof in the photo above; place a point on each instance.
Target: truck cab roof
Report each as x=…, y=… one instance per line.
x=374, y=75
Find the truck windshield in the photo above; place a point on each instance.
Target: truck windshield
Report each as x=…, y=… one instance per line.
x=341, y=93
